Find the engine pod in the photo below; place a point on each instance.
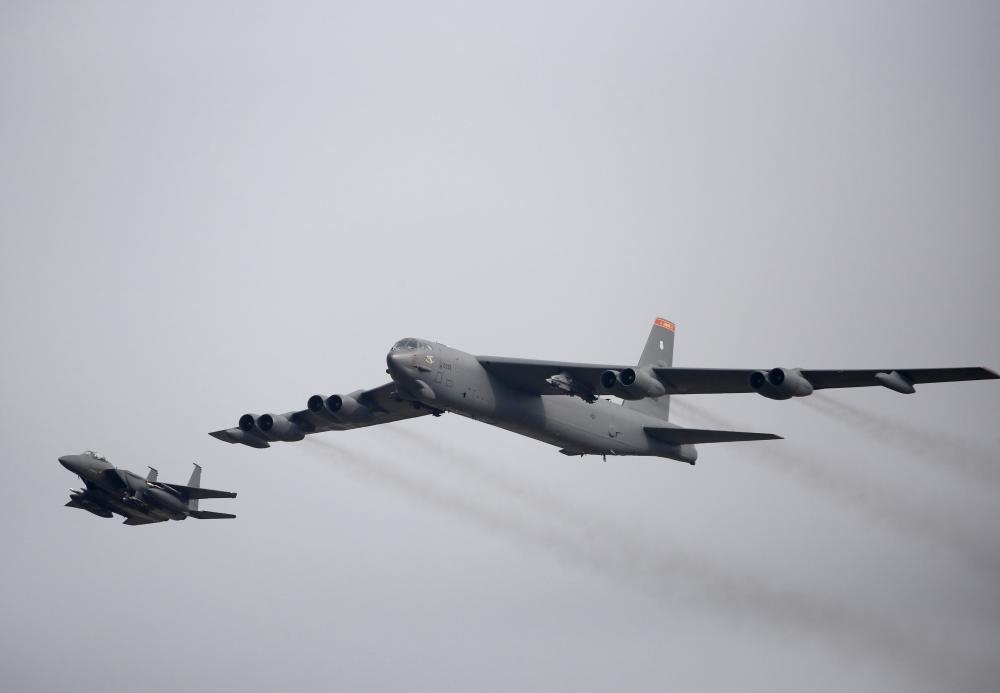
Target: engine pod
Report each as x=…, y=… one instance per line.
x=896, y=381
x=279, y=427
x=640, y=383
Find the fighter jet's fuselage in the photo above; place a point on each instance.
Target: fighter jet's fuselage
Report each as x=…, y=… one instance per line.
x=108, y=490
x=440, y=377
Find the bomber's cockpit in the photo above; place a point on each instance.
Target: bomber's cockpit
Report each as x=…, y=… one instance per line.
x=410, y=344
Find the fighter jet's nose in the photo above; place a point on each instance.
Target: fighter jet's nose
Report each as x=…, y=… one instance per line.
x=74, y=463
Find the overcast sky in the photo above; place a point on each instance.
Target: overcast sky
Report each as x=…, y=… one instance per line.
x=208, y=209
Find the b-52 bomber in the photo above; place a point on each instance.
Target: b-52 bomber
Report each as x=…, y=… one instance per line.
x=109, y=490
x=563, y=403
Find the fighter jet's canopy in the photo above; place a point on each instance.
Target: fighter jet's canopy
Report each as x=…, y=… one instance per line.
x=91, y=453
x=409, y=344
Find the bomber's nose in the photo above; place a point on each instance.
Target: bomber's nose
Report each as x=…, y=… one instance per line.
x=397, y=362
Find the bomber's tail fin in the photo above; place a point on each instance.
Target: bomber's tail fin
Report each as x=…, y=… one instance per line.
x=194, y=482
x=659, y=352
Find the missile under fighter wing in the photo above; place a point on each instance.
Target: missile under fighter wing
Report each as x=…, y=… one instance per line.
x=564, y=403
x=108, y=491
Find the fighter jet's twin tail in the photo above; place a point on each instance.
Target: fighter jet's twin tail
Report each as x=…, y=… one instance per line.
x=573, y=406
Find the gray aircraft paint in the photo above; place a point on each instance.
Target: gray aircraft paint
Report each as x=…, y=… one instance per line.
x=458, y=383
x=109, y=490
x=213, y=208
x=558, y=402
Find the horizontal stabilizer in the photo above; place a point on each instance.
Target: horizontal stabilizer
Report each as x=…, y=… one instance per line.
x=690, y=436
x=209, y=515
x=194, y=492
x=136, y=520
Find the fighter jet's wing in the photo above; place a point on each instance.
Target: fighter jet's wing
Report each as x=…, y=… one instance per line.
x=582, y=379
x=337, y=413
x=135, y=520
x=196, y=492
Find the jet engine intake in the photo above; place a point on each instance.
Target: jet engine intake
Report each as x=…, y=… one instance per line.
x=609, y=379
x=640, y=383
x=343, y=408
x=280, y=428
x=781, y=383
x=340, y=408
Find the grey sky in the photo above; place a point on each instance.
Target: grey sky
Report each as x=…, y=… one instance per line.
x=212, y=210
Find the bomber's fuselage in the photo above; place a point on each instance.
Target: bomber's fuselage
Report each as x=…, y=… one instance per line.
x=445, y=378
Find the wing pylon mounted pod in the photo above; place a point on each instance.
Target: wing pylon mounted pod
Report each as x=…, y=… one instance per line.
x=896, y=381
x=564, y=382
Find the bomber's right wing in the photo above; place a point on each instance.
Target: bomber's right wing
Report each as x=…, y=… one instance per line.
x=335, y=413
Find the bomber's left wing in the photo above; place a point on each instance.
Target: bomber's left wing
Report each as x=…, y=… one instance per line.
x=589, y=380
x=780, y=383
x=334, y=413
x=552, y=377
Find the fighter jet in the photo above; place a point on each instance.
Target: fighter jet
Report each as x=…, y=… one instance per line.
x=583, y=409
x=108, y=490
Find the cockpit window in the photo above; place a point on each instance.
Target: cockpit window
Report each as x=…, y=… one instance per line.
x=407, y=344
x=93, y=454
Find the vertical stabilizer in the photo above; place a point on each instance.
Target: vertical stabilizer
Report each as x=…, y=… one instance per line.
x=152, y=475
x=659, y=352
x=194, y=482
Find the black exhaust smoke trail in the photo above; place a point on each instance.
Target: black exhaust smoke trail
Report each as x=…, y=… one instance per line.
x=561, y=546
x=935, y=446
x=828, y=477
x=547, y=506
x=670, y=575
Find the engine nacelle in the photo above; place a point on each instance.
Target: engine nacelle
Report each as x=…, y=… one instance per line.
x=640, y=383
x=339, y=408
x=163, y=500
x=781, y=383
x=250, y=425
x=278, y=427
x=609, y=379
